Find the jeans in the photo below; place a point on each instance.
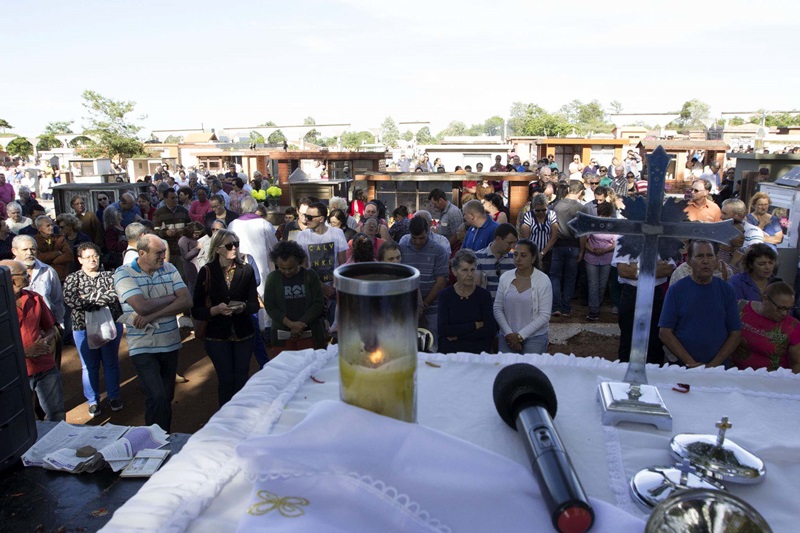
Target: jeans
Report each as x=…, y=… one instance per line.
x=108, y=354
x=615, y=287
x=563, y=268
x=259, y=348
x=157, y=371
x=533, y=344
x=597, y=276
x=47, y=386
x=431, y=323
x=232, y=362
x=627, y=304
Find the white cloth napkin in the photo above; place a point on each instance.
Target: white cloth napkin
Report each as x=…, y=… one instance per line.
x=345, y=469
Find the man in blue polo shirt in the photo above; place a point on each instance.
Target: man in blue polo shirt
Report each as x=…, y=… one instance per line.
x=154, y=293
x=127, y=208
x=480, y=226
x=431, y=260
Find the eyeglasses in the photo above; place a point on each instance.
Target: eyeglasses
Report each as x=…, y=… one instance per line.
x=310, y=217
x=231, y=245
x=780, y=308
x=540, y=210
x=594, y=183
x=102, y=199
x=698, y=190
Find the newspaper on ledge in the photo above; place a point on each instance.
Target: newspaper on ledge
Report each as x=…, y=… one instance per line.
x=115, y=445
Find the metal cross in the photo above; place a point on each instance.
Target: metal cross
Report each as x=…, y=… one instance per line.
x=723, y=426
x=646, y=231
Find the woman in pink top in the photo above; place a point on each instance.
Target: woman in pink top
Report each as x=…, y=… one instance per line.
x=597, y=250
x=770, y=336
x=201, y=206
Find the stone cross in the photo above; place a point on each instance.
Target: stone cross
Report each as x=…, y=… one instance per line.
x=645, y=230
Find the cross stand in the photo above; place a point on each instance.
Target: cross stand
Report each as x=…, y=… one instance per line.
x=634, y=400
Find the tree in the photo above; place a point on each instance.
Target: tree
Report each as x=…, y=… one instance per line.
x=408, y=136
x=115, y=134
x=615, y=107
x=586, y=118
x=424, y=136
x=48, y=140
x=692, y=115
x=268, y=124
x=256, y=138
x=494, y=125
x=736, y=121
x=20, y=147
x=531, y=119
x=352, y=140
x=173, y=139
x=5, y=125
x=454, y=129
x=389, y=132
x=277, y=137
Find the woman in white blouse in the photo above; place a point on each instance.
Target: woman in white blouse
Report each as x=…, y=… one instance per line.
x=523, y=303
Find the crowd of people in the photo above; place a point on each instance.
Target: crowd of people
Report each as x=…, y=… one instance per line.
x=201, y=246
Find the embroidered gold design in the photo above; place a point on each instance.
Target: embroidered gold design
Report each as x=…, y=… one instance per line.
x=290, y=506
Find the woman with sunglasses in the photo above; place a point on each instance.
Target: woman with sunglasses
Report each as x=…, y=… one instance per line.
x=770, y=336
x=226, y=296
x=540, y=225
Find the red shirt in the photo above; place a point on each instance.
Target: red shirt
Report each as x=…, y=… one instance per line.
x=765, y=343
x=35, y=318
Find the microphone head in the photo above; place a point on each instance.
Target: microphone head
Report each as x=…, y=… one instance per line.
x=522, y=385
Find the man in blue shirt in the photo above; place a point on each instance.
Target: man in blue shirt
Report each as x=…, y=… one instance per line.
x=127, y=208
x=480, y=226
x=497, y=257
x=700, y=323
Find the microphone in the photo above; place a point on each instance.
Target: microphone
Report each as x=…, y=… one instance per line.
x=526, y=401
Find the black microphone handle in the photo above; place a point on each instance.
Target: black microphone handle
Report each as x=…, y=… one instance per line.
x=553, y=469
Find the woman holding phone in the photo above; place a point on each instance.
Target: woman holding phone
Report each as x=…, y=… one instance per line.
x=226, y=295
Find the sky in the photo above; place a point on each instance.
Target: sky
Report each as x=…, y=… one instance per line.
x=213, y=64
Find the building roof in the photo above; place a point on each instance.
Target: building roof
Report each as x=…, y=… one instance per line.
x=202, y=137
x=652, y=144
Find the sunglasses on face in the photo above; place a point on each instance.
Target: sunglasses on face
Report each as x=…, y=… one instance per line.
x=231, y=245
x=780, y=308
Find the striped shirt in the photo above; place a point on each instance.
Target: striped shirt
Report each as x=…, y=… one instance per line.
x=130, y=281
x=491, y=268
x=540, y=232
x=431, y=261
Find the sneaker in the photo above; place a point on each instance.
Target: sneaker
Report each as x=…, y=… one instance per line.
x=116, y=404
x=593, y=316
x=566, y=314
x=615, y=310
x=94, y=410
x=556, y=314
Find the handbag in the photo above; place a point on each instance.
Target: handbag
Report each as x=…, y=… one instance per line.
x=198, y=325
x=100, y=327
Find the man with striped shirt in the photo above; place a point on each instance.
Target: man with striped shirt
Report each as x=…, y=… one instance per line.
x=154, y=293
x=497, y=257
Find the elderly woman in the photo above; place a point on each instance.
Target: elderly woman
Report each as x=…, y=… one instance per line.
x=770, y=336
x=6, y=238
x=465, y=320
x=293, y=299
x=116, y=242
x=226, y=296
x=767, y=222
x=523, y=302
x=90, y=289
x=493, y=204
x=71, y=230
x=373, y=210
x=759, y=263
x=370, y=229
x=540, y=225
x=15, y=219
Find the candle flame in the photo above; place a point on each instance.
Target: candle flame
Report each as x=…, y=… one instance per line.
x=376, y=357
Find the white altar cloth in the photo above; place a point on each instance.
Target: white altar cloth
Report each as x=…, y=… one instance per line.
x=204, y=488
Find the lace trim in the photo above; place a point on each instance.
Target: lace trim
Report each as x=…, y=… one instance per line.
x=616, y=471
x=397, y=499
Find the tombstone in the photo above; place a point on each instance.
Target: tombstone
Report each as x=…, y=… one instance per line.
x=651, y=231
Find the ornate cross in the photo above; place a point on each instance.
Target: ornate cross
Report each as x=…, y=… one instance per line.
x=650, y=238
x=723, y=426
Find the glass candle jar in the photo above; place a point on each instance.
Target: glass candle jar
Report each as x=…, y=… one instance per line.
x=377, y=307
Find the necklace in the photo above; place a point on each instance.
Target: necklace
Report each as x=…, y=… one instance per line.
x=456, y=287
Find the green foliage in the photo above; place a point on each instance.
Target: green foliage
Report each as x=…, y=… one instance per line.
x=173, y=139
x=256, y=138
x=531, y=119
x=389, y=132
x=454, y=129
x=586, y=118
x=268, y=124
x=5, y=125
x=20, y=147
x=58, y=128
x=276, y=137
x=736, y=121
x=493, y=125
x=692, y=115
x=780, y=120
x=47, y=141
x=352, y=140
x=424, y=136
x=80, y=141
x=309, y=121
x=408, y=136
x=115, y=134
x=615, y=107
x=312, y=136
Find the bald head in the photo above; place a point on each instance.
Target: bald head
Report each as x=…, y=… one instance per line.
x=425, y=215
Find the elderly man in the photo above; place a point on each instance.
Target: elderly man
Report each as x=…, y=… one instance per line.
x=153, y=292
x=16, y=220
x=480, y=226
x=431, y=260
x=338, y=202
x=700, y=323
x=127, y=208
x=43, y=278
x=39, y=332
x=701, y=208
x=451, y=217
x=53, y=249
x=619, y=182
x=133, y=232
x=90, y=225
x=215, y=187
x=25, y=200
